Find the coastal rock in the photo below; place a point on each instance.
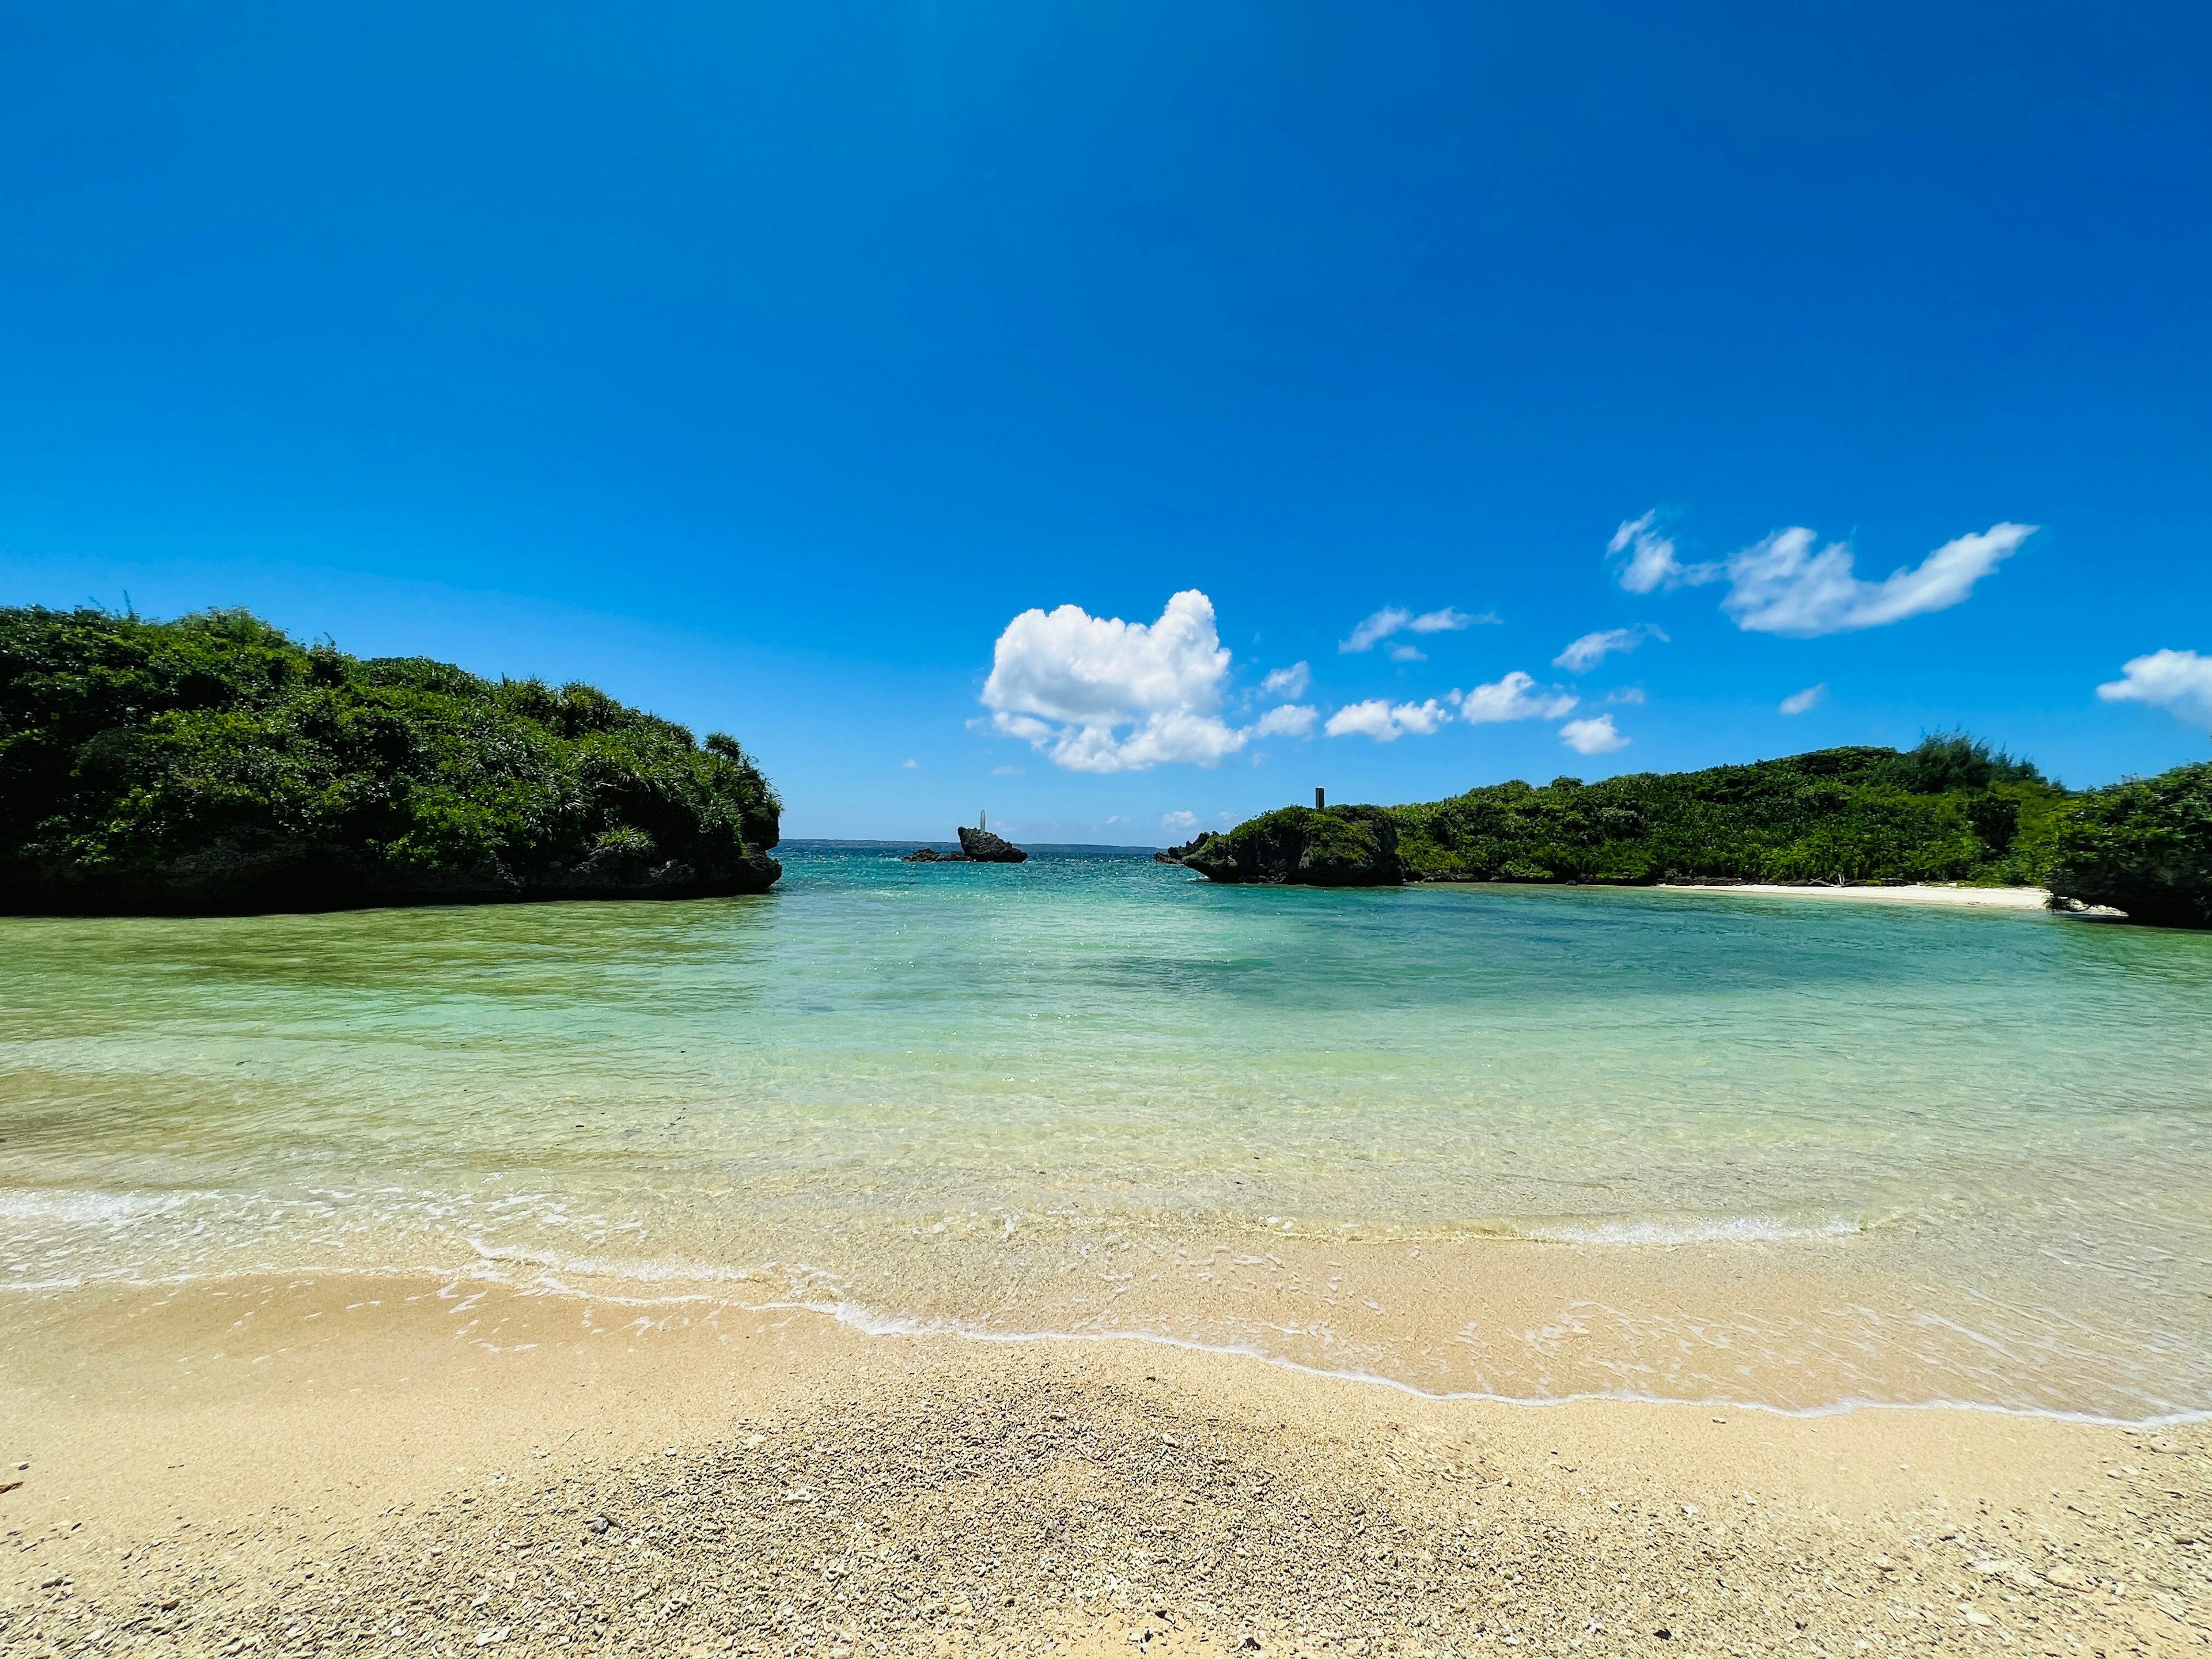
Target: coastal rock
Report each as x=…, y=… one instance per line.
x=984, y=847
x=1182, y=854
x=1305, y=846
x=976, y=846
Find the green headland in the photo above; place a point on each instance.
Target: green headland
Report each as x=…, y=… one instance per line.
x=1953, y=810
x=215, y=764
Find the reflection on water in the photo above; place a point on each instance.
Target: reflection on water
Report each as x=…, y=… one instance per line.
x=1678, y=1144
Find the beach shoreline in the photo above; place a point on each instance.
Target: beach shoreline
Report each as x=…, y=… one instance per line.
x=1993, y=898
x=297, y=1465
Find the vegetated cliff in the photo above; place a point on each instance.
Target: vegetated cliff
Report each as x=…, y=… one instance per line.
x=2144, y=847
x=1951, y=809
x=1305, y=847
x=213, y=763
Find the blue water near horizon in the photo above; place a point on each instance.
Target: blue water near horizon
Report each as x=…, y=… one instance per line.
x=1537, y=1143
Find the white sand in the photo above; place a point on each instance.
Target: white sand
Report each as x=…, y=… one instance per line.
x=1994, y=898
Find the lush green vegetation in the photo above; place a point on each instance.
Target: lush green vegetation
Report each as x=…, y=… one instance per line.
x=2144, y=847
x=1310, y=846
x=1951, y=810
x=213, y=762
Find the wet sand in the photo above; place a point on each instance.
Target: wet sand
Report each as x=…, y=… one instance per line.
x=381, y=1466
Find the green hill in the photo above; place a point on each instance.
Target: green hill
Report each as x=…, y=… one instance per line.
x=1953, y=810
x=213, y=763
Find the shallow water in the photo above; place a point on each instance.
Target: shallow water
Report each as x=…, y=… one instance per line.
x=1535, y=1143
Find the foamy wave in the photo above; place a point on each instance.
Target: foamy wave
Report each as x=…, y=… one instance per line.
x=1693, y=1230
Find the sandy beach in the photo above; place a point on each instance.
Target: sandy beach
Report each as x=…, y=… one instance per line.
x=1993, y=898
x=350, y=1465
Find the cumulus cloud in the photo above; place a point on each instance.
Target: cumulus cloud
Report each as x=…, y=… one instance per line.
x=1290, y=720
x=1395, y=619
x=2178, y=680
x=1594, y=735
x=1385, y=721
x=1588, y=652
x=1781, y=585
x=1798, y=701
x=1515, y=697
x=1289, y=682
x=1179, y=823
x=1097, y=694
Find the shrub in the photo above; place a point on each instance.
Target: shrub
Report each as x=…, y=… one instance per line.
x=2144, y=847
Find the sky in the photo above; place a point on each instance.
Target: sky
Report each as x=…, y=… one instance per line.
x=1125, y=417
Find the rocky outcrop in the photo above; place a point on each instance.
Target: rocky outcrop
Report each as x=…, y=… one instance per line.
x=1182, y=854
x=976, y=846
x=1303, y=846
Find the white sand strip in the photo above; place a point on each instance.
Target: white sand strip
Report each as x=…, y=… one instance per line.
x=1996, y=898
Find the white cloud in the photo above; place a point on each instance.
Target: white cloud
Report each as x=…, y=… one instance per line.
x=1651, y=563
x=1588, y=652
x=1781, y=585
x=1179, y=823
x=1068, y=682
x=1289, y=682
x=1386, y=722
x=1395, y=619
x=2178, y=680
x=1119, y=818
x=1408, y=653
x=909, y=765
x=1627, y=694
x=1006, y=771
x=1515, y=697
x=1291, y=721
x=1798, y=701
x=1592, y=736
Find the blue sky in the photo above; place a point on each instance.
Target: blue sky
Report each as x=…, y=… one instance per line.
x=764, y=364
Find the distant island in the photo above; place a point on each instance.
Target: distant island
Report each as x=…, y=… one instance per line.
x=215, y=764
x=1953, y=810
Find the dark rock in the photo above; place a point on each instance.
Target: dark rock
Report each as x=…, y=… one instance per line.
x=1182, y=854
x=984, y=847
x=1299, y=846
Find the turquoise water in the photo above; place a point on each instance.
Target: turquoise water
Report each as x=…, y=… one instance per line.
x=1537, y=1143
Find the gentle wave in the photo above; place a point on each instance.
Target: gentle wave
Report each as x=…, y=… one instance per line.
x=1699, y=1230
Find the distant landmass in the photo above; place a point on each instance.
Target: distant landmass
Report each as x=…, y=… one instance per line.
x=213, y=763
x=1953, y=810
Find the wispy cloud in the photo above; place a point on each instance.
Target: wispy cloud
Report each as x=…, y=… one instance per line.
x=1651, y=563
x=1588, y=652
x=1006, y=771
x=1395, y=619
x=1289, y=682
x=1179, y=823
x=910, y=765
x=1782, y=584
x=2180, y=681
x=1798, y=703
x=1594, y=735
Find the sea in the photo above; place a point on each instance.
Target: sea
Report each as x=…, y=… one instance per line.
x=1532, y=1144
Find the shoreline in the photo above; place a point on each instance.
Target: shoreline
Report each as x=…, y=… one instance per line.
x=412, y=1473
x=1994, y=898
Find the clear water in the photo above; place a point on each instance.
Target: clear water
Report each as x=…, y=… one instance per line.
x=1534, y=1143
